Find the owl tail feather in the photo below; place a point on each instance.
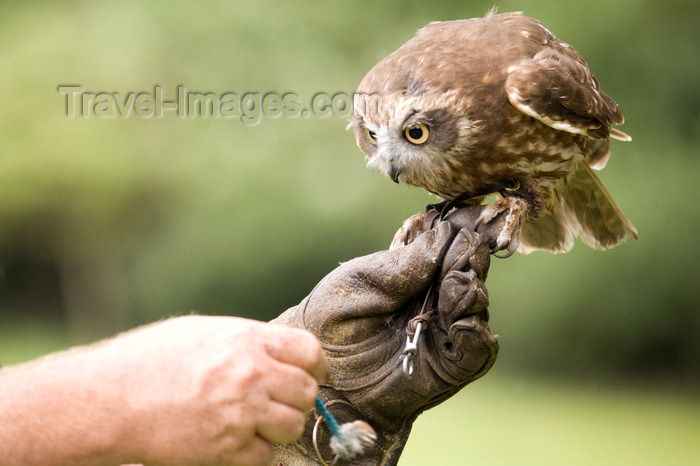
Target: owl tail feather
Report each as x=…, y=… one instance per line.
x=581, y=207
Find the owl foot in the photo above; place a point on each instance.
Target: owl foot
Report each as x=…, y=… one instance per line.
x=442, y=208
x=509, y=237
x=445, y=206
x=412, y=227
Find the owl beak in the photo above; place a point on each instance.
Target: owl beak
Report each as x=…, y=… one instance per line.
x=394, y=172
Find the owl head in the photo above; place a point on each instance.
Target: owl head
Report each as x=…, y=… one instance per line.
x=418, y=113
x=412, y=137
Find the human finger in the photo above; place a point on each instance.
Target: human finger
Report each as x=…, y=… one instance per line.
x=256, y=452
x=291, y=385
x=298, y=348
x=281, y=423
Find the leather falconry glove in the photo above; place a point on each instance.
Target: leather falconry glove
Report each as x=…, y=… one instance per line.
x=363, y=312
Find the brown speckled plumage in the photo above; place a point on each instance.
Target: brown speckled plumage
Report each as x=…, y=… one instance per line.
x=503, y=99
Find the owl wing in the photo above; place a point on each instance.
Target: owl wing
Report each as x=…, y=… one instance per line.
x=581, y=206
x=557, y=88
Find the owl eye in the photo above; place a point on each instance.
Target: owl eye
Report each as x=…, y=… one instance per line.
x=371, y=136
x=416, y=134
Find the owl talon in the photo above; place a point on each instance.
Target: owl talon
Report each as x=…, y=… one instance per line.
x=410, y=229
x=510, y=247
x=509, y=236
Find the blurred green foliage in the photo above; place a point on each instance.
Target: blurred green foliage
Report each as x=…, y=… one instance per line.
x=502, y=421
x=107, y=223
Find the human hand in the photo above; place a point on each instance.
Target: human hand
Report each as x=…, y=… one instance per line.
x=213, y=390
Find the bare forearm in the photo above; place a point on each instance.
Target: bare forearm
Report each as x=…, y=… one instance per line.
x=59, y=410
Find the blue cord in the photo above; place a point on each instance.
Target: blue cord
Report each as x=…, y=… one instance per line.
x=328, y=417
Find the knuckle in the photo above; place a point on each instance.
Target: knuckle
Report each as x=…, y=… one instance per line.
x=249, y=374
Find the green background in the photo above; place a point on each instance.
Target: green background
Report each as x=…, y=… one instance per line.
x=106, y=223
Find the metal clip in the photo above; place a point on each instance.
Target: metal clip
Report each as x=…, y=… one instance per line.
x=410, y=351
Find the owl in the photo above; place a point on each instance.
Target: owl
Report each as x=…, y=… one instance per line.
x=498, y=105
